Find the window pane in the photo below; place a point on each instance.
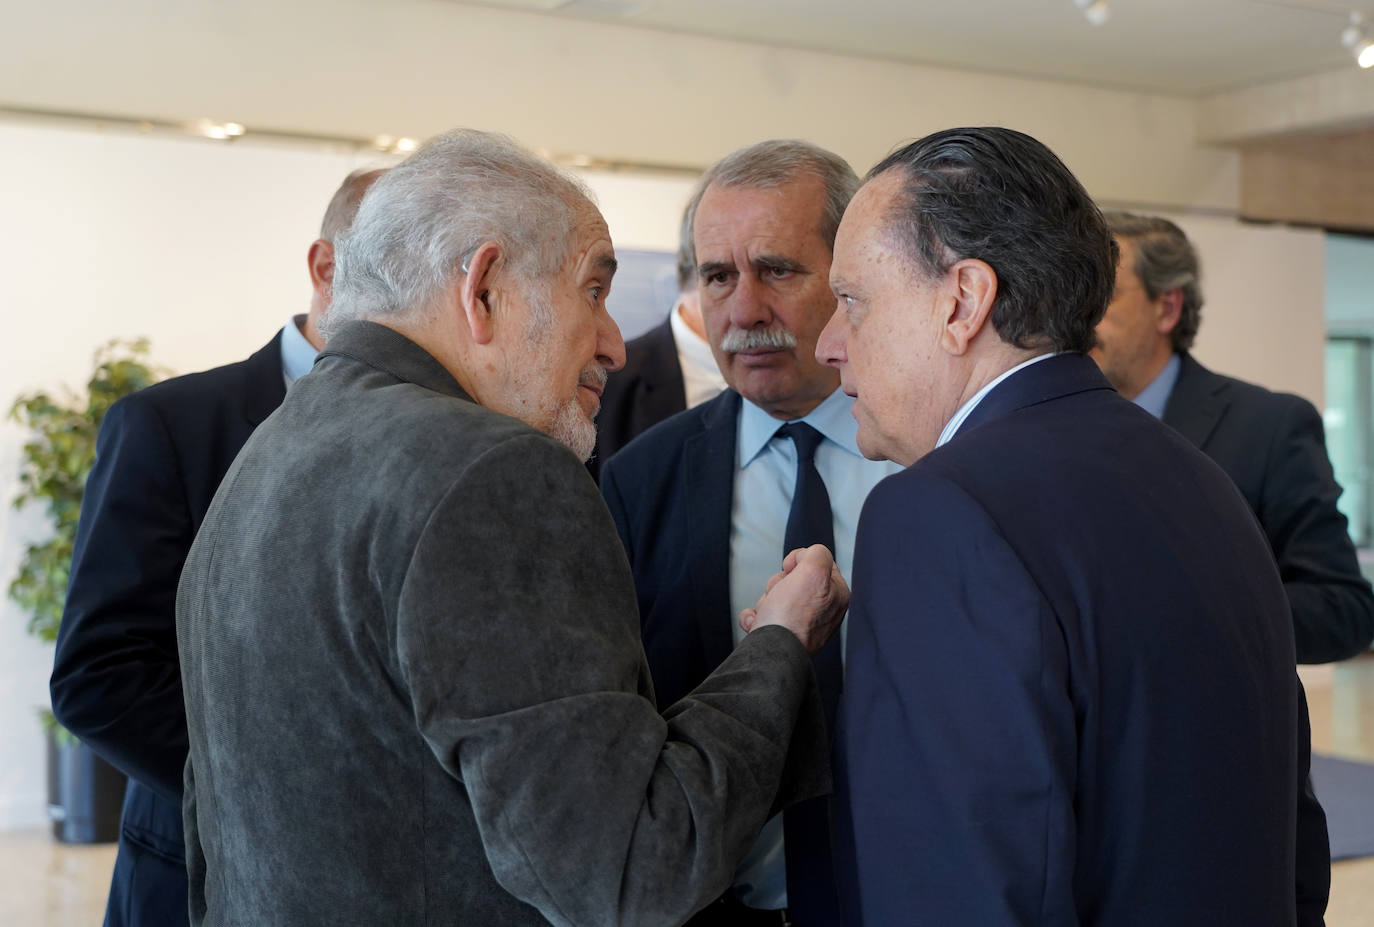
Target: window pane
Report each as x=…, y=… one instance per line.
x=1347, y=428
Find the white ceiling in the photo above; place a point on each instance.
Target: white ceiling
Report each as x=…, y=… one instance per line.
x=1185, y=47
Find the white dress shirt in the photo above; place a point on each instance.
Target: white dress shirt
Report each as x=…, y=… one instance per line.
x=701, y=379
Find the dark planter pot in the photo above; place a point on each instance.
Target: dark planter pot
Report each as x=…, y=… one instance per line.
x=85, y=794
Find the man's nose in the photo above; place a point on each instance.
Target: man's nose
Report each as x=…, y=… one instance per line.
x=749, y=305
x=830, y=346
x=610, y=346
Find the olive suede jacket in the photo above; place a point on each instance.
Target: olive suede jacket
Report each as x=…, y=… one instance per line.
x=415, y=688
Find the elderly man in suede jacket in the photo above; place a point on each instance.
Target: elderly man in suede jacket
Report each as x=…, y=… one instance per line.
x=413, y=676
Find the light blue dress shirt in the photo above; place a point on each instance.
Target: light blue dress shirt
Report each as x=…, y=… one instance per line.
x=297, y=354
x=765, y=473
x=1155, y=397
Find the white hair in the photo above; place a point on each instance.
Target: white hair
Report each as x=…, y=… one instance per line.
x=423, y=218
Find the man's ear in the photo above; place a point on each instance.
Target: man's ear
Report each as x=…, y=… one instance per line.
x=474, y=291
x=971, y=287
x=1170, y=310
x=320, y=258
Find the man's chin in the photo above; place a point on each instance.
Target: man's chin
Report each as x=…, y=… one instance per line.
x=573, y=429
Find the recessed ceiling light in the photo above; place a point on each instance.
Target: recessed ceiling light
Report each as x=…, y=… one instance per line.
x=1096, y=12
x=1356, y=40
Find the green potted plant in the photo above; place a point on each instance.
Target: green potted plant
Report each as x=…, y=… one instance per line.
x=85, y=794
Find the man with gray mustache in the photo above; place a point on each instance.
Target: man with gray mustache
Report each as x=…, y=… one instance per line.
x=708, y=501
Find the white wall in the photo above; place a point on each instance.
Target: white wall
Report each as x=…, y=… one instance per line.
x=417, y=67
x=201, y=246
x=1263, y=316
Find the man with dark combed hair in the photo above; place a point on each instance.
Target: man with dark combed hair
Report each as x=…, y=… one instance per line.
x=1069, y=696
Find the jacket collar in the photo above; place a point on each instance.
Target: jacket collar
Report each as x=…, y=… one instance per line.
x=709, y=459
x=266, y=386
x=388, y=350
x=1052, y=378
x=1197, y=402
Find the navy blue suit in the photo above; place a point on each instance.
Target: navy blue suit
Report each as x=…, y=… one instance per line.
x=648, y=389
x=1070, y=696
x=116, y=680
x=670, y=492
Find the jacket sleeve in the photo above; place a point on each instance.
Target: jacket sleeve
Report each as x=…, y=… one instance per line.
x=956, y=746
x=1333, y=607
x=519, y=645
x=116, y=682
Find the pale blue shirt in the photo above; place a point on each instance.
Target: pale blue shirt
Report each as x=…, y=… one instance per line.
x=1155, y=397
x=297, y=354
x=765, y=473
x=953, y=425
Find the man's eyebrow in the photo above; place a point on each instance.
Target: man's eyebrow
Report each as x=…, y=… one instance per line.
x=839, y=284
x=713, y=267
x=606, y=264
x=778, y=262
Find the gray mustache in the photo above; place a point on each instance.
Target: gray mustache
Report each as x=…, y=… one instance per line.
x=595, y=375
x=754, y=339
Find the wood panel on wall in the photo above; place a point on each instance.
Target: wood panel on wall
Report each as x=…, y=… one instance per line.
x=1325, y=180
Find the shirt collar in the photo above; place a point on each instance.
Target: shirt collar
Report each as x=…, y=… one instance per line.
x=1155, y=397
x=297, y=354
x=831, y=418
x=689, y=343
x=953, y=425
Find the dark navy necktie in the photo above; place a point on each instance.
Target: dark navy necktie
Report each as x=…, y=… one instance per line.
x=811, y=895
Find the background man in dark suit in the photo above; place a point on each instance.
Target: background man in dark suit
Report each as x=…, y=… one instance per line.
x=1271, y=444
x=667, y=369
x=707, y=502
x=116, y=682
x=1070, y=695
x=442, y=714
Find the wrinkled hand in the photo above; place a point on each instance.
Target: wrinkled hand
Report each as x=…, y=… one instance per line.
x=809, y=598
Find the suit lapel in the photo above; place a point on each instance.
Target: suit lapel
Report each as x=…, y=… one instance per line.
x=1197, y=401
x=265, y=385
x=660, y=387
x=709, y=458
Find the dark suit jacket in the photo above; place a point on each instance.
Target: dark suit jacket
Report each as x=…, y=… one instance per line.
x=641, y=394
x=116, y=682
x=415, y=688
x=670, y=494
x=1070, y=696
x=1273, y=446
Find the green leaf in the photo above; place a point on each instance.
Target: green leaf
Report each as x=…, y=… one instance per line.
x=54, y=464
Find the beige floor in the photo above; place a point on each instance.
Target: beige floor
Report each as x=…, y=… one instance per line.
x=43, y=884
x=1341, y=699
